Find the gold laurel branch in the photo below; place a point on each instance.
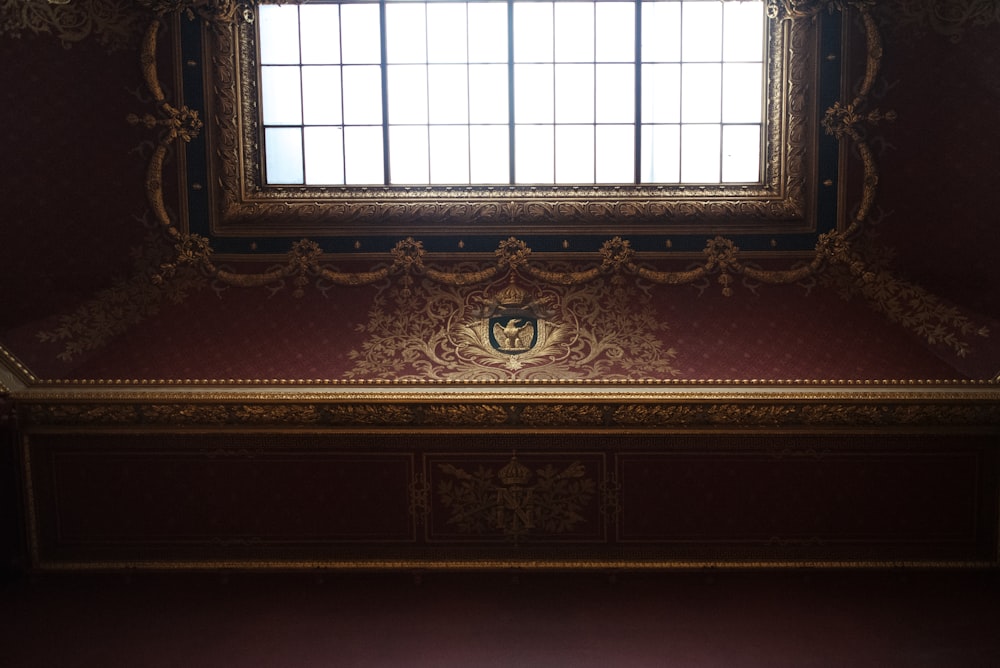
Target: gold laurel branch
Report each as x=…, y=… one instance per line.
x=563, y=277
x=783, y=277
x=670, y=277
x=458, y=279
x=354, y=278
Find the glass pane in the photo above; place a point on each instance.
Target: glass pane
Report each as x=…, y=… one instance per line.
x=661, y=154
x=324, y=156
x=363, y=155
x=490, y=154
x=574, y=32
x=362, y=95
x=449, y=154
x=283, y=155
x=407, y=91
x=405, y=33
x=661, y=32
x=488, y=93
x=701, y=93
x=533, y=153
x=280, y=95
x=744, y=31
x=574, y=102
x=447, y=87
x=742, y=92
x=615, y=32
x=360, y=36
x=321, y=95
x=615, y=154
x=701, y=31
x=488, y=32
x=741, y=153
x=533, y=32
x=661, y=93
x=615, y=94
x=320, y=34
x=279, y=34
x=574, y=154
x=700, y=153
x=446, y=33
x=408, y=154
x=533, y=94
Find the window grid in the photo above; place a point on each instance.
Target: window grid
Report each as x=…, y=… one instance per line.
x=277, y=132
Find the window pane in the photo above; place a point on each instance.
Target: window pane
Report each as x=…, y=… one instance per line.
x=405, y=32
x=574, y=102
x=490, y=155
x=574, y=154
x=533, y=32
x=321, y=95
x=446, y=33
x=448, y=93
x=661, y=32
x=488, y=93
x=615, y=94
x=533, y=95
x=741, y=153
x=283, y=155
x=742, y=93
x=320, y=34
x=533, y=153
x=661, y=93
x=363, y=155
x=701, y=93
x=360, y=36
x=615, y=153
x=661, y=154
x=615, y=32
x=408, y=156
x=574, y=32
x=744, y=31
x=407, y=91
x=701, y=32
x=449, y=154
x=362, y=95
x=281, y=95
x=324, y=156
x=488, y=32
x=279, y=34
x=700, y=153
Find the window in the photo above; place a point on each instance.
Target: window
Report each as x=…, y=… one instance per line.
x=330, y=138
x=520, y=92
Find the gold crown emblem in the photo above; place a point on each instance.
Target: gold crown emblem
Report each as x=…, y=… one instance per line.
x=514, y=473
x=512, y=295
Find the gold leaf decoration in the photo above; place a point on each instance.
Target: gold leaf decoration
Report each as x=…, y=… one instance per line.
x=117, y=24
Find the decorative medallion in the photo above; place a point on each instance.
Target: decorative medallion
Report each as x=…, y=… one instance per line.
x=515, y=500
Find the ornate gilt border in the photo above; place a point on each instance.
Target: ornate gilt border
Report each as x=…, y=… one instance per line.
x=784, y=201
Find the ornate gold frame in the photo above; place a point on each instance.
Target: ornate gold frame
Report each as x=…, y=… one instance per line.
x=241, y=205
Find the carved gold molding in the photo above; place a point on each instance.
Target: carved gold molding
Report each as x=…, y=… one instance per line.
x=117, y=24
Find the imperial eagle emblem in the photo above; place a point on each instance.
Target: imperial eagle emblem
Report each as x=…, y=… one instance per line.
x=513, y=334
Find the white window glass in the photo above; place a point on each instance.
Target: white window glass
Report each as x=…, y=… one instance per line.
x=320, y=34
x=407, y=91
x=446, y=33
x=700, y=153
x=362, y=95
x=615, y=32
x=324, y=152
x=363, y=155
x=574, y=93
x=574, y=32
x=405, y=32
x=321, y=95
x=701, y=93
x=489, y=151
x=488, y=32
x=281, y=95
x=533, y=161
x=533, y=94
x=283, y=155
x=742, y=93
x=701, y=31
x=661, y=154
x=488, y=94
x=615, y=94
x=359, y=34
x=448, y=93
x=408, y=159
x=449, y=154
x=741, y=153
x=279, y=34
x=533, y=32
x=661, y=93
x=614, y=153
x=744, y=31
x=661, y=32
x=574, y=153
